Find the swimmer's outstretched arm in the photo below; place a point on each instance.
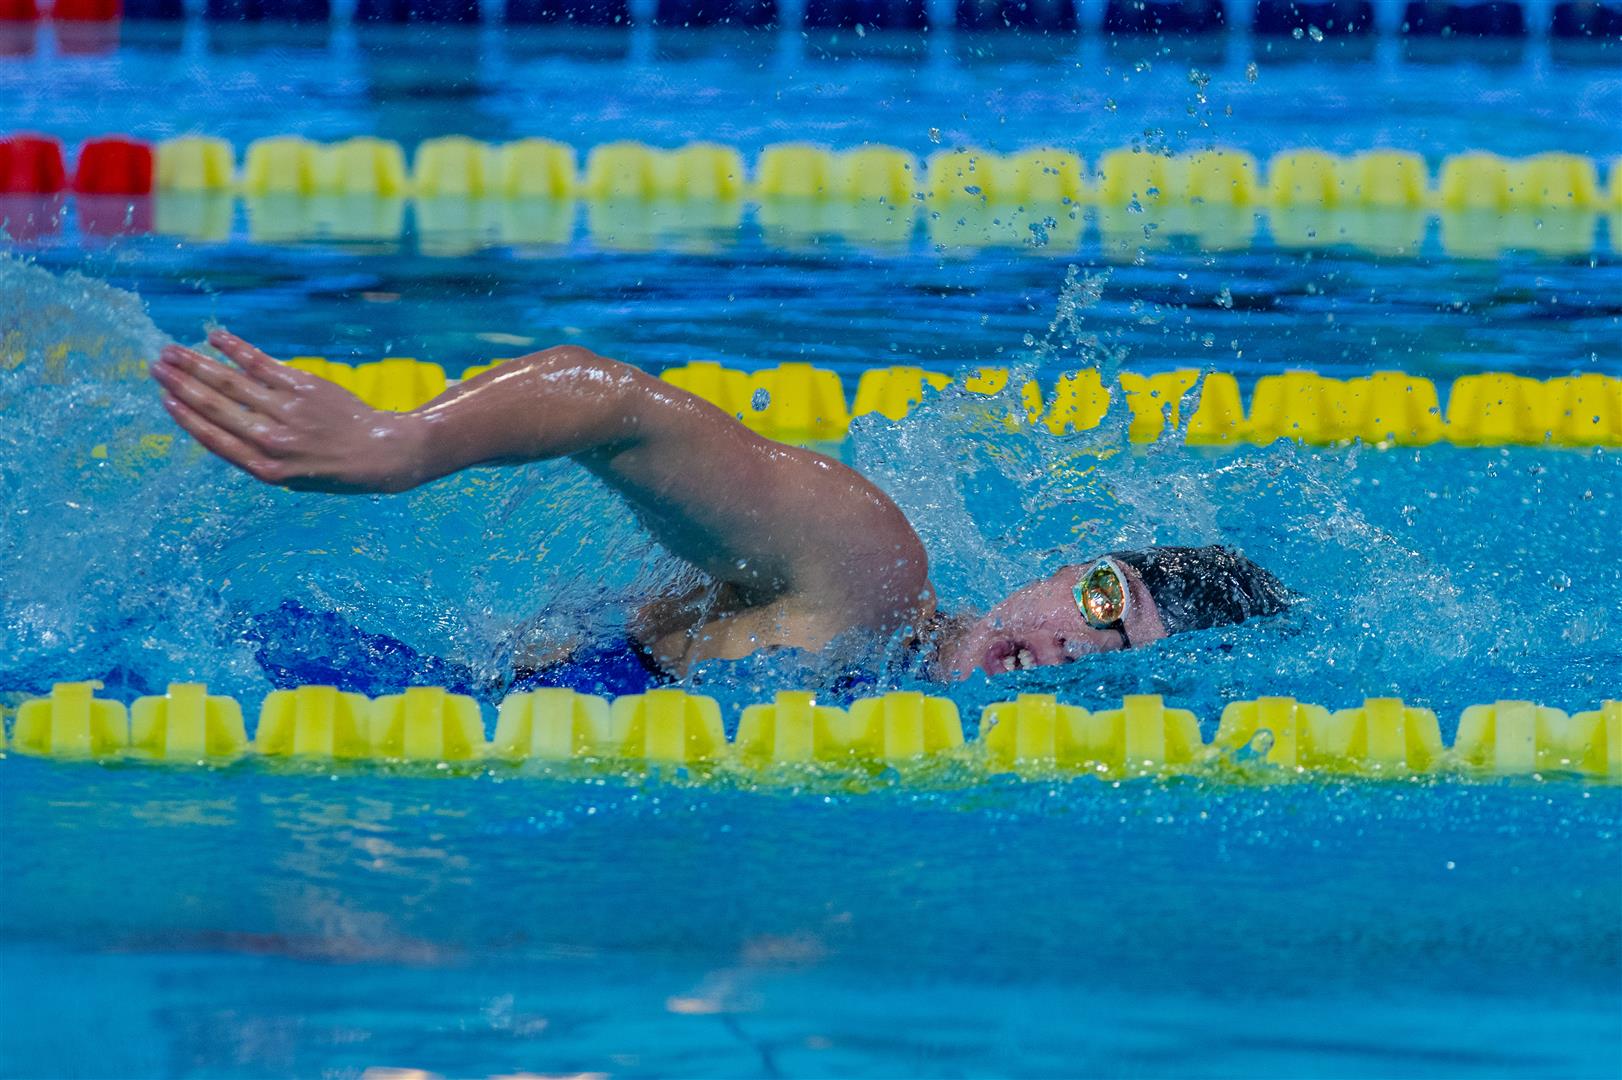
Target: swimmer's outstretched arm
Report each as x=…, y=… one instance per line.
x=794, y=530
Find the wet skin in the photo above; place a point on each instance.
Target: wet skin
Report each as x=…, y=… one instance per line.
x=799, y=549
x=1041, y=625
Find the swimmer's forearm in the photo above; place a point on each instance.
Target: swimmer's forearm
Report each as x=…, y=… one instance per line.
x=558, y=403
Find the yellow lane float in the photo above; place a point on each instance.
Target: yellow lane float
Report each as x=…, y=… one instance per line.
x=1035, y=734
x=1380, y=199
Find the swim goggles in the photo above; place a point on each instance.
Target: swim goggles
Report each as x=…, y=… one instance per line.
x=1103, y=598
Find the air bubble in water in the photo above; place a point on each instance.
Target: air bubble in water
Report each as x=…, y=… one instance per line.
x=760, y=399
x=1041, y=231
x=1200, y=81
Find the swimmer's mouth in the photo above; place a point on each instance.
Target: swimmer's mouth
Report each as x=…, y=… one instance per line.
x=1005, y=656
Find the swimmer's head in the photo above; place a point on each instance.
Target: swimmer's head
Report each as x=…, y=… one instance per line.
x=1118, y=601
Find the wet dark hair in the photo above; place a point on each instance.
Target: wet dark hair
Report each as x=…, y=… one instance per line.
x=1197, y=588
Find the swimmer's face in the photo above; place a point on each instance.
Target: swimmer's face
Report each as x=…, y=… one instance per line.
x=1040, y=625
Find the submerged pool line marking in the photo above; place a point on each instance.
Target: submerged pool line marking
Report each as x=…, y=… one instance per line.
x=367, y=226
x=455, y=165
x=1033, y=734
x=799, y=402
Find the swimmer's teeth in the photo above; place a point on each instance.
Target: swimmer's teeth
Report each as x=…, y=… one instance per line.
x=1021, y=660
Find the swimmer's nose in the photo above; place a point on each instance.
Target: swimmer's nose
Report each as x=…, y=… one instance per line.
x=1073, y=648
x=1057, y=651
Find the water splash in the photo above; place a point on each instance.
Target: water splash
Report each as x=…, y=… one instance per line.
x=136, y=558
x=1423, y=573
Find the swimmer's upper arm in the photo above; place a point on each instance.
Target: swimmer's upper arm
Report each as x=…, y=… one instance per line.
x=777, y=521
x=781, y=523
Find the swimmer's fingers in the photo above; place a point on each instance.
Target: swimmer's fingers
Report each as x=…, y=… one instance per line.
x=225, y=380
x=221, y=442
x=219, y=410
x=259, y=365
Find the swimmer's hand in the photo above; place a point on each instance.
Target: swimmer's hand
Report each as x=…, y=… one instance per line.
x=284, y=426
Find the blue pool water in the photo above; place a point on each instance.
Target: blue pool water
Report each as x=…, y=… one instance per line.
x=311, y=920
x=247, y=923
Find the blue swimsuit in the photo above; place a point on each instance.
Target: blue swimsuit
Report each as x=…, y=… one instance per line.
x=623, y=667
x=299, y=647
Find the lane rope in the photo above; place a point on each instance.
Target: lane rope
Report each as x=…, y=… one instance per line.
x=1498, y=23
x=455, y=165
x=803, y=403
x=1034, y=734
x=800, y=402
x=465, y=194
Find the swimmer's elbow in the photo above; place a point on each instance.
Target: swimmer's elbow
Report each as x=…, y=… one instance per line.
x=887, y=585
x=549, y=368
x=910, y=591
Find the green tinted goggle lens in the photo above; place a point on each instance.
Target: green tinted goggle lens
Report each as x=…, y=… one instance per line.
x=1101, y=596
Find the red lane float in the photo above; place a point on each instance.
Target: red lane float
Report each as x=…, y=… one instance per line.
x=31, y=165
x=110, y=215
x=114, y=166
x=22, y=11
x=87, y=10
x=18, y=38
x=26, y=218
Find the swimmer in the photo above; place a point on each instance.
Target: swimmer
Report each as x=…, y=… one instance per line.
x=797, y=549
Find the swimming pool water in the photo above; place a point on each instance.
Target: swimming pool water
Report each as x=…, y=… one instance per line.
x=308, y=920
x=251, y=922
x=246, y=923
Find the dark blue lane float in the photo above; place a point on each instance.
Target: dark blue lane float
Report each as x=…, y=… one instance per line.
x=268, y=11
x=868, y=14
x=154, y=10
x=1040, y=16
x=1586, y=20
x=1333, y=18
x=571, y=12
x=1138, y=17
x=397, y=12
x=1499, y=19
x=747, y=14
